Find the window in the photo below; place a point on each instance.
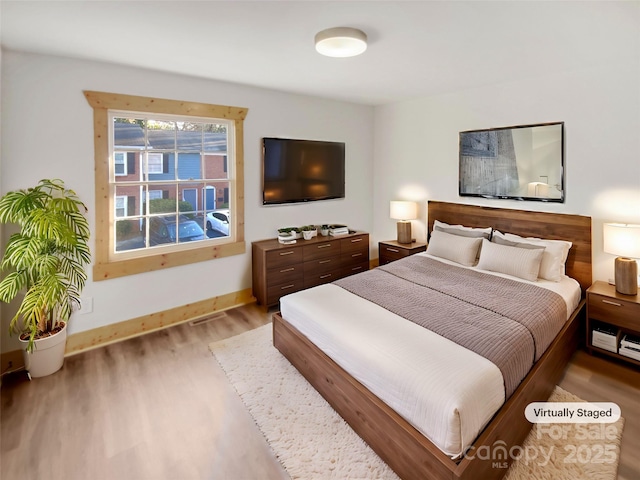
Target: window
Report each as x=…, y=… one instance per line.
x=154, y=163
x=120, y=163
x=154, y=160
x=121, y=206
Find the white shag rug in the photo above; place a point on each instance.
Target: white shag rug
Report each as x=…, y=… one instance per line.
x=312, y=441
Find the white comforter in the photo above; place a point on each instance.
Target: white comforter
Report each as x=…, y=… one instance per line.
x=445, y=391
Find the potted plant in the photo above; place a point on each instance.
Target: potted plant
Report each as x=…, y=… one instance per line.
x=46, y=259
x=324, y=230
x=309, y=231
x=295, y=231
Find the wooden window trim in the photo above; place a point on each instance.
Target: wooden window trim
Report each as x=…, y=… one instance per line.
x=104, y=267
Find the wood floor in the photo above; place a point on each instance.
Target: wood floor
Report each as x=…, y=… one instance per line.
x=159, y=407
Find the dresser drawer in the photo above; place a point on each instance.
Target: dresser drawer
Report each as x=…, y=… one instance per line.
x=355, y=256
x=614, y=310
x=321, y=250
x=282, y=256
x=354, y=244
x=284, y=274
x=276, y=291
x=355, y=268
x=318, y=278
x=321, y=265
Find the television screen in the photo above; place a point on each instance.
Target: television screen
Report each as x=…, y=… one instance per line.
x=301, y=170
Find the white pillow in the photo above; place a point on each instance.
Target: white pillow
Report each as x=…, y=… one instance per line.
x=518, y=262
x=553, y=258
x=458, y=249
x=462, y=230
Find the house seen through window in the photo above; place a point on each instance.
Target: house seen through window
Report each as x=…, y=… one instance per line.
x=173, y=187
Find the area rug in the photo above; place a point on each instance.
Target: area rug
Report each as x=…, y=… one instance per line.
x=313, y=442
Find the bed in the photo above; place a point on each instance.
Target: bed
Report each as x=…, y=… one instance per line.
x=416, y=438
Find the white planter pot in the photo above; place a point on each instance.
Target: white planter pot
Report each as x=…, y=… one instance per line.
x=47, y=356
x=308, y=235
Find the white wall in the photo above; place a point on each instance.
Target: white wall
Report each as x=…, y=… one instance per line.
x=416, y=146
x=48, y=132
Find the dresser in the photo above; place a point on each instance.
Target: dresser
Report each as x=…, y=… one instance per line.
x=279, y=269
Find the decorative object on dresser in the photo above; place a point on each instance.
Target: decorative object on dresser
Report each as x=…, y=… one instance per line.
x=613, y=323
x=279, y=269
x=624, y=240
x=391, y=250
x=309, y=231
x=404, y=212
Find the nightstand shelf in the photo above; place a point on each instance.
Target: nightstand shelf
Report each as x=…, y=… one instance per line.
x=390, y=250
x=611, y=310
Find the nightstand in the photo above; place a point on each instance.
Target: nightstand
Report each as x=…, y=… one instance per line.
x=390, y=250
x=611, y=316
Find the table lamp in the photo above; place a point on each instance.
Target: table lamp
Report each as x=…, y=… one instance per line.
x=624, y=240
x=405, y=212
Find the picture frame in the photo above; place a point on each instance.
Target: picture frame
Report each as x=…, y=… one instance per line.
x=523, y=162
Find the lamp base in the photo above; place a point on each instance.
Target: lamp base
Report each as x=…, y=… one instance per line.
x=626, y=271
x=404, y=231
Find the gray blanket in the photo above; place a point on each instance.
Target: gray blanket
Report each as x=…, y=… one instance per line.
x=508, y=322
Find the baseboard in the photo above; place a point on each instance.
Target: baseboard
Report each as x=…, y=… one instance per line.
x=117, y=332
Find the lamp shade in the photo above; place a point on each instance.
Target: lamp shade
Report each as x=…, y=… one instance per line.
x=401, y=210
x=341, y=42
x=622, y=239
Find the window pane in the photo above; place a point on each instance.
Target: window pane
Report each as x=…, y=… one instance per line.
x=190, y=198
x=189, y=166
x=215, y=166
x=128, y=235
x=215, y=137
x=161, y=135
x=189, y=136
x=128, y=132
x=127, y=200
x=162, y=198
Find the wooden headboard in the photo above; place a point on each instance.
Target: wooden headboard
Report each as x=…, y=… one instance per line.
x=557, y=226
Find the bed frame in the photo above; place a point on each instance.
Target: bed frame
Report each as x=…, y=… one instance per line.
x=398, y=443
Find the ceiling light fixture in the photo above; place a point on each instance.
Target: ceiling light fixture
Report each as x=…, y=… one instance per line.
x=341, y=42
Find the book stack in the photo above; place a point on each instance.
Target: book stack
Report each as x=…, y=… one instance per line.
x=336, y=230
x=630, y=347
x=605, y=337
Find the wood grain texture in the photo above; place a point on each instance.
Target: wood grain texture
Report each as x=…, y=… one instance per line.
x=204, y=431
x=556, y=226
x=154, y=407
x=379, y=426
x=397, y=442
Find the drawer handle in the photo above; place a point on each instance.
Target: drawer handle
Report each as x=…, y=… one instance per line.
x=353, y=255
x=287, y=286
x=356, y=240
x=286, y=253
x=356, y=268
x=394, y=250
x=608, y=302
x=324, y=261
x=324, y=246
x=287, y=270
x=325, y=276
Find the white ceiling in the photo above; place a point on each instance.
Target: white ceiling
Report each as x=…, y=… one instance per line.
x=416, y=48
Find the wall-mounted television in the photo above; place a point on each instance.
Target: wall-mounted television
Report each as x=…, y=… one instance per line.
x=525, y=162
x=301, y=170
